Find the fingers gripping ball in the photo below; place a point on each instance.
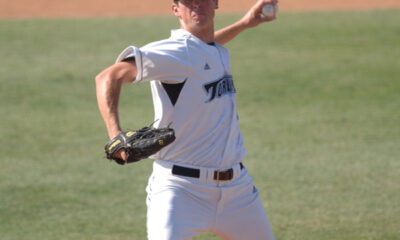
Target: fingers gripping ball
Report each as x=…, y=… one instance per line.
x=139, y=144
x=269, y=10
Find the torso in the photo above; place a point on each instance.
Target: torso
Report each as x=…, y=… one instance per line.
x=199, y=101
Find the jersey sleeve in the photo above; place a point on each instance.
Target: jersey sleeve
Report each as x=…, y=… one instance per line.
x=166, y=62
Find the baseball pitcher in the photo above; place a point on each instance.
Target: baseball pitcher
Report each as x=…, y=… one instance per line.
x=199, y=181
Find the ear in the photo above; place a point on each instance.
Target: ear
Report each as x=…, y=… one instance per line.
x=175, y=9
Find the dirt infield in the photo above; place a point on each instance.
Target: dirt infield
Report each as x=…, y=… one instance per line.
x=109, y=8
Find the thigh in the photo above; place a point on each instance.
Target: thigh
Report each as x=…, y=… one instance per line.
x=250, y=223
x=243, y=215
x=174, y=209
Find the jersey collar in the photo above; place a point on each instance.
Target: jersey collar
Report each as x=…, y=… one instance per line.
x=181, y=33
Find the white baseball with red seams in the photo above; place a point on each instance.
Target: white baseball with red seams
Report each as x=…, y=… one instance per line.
x=268, y=10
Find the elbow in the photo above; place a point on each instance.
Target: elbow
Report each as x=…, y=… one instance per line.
x=99, y=78
x=102, y=78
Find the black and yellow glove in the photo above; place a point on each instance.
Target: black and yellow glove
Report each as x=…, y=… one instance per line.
x=139, y=144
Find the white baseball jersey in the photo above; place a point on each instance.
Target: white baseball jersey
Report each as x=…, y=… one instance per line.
x=193, y=90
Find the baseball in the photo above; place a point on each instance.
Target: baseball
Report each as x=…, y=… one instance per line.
x=268, y=10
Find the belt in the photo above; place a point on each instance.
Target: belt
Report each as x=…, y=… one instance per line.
x=195, y=173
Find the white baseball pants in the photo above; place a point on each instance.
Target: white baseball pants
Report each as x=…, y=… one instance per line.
x=181, y=207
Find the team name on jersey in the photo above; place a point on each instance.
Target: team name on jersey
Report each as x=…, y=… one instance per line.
x=219, y=88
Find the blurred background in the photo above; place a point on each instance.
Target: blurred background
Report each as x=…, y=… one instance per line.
x=90, y=8
x=318, y=95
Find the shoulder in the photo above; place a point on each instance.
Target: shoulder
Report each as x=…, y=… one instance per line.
x=222, y=49
x=166, y=50
x=169, y=45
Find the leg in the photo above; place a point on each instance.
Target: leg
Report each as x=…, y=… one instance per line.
x=243, y=215
x=250, y=224
x=174, y=211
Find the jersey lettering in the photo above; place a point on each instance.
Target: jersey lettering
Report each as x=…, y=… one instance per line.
x=220, y=88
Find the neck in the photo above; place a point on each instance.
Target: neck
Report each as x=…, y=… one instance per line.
x=205, y=34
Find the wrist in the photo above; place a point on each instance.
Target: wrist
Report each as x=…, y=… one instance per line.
x=242, y=24
x=113, y=133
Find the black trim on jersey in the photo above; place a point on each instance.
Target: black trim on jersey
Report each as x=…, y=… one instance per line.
x=129, y=59
x=173, y=90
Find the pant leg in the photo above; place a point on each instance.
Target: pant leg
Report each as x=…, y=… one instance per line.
x=250, y=224
x=176, y=209
x=243, y=215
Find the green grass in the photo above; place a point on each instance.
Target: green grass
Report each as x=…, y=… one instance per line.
x=319, y=105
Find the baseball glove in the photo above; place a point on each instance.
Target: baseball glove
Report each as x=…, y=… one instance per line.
x=139, y=144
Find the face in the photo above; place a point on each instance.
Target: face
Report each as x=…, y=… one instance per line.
x=194, y=14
